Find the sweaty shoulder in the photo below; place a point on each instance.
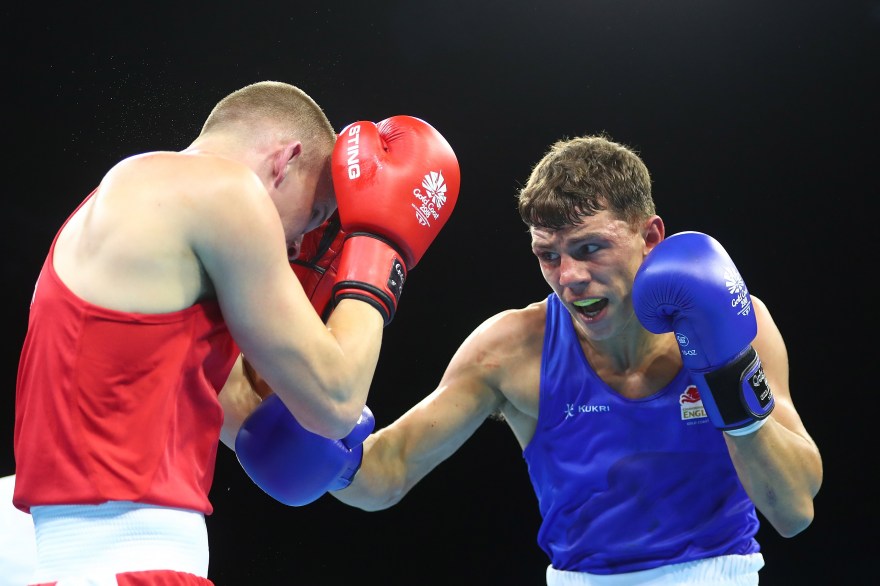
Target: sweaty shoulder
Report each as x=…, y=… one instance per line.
x=506, y=351
x=109, y=252
x=181, y=177
x=512, y=329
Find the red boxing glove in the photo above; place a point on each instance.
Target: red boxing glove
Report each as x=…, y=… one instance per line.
x=317, y=263
x=396, y=184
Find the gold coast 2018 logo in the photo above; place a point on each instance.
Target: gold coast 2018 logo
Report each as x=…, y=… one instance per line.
x=433, y=198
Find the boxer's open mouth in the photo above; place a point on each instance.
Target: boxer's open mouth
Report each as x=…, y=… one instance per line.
x=591, y=307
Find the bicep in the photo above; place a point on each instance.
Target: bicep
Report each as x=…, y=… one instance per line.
x=399, y=455
x=439, y=424
x=242, y=248
x=481, y=380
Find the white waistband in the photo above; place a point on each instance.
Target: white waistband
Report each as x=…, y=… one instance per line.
x=99, y=541
x=726, y=570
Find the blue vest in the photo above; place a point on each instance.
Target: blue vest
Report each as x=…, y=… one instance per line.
x=626, y=485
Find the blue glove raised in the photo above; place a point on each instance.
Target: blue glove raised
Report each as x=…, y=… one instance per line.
x=291, y=464
x=689, y=285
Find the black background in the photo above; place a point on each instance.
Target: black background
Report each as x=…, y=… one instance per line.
x=758, y=121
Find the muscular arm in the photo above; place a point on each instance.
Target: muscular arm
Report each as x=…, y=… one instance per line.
x=321, y=372
x=473, y=387
x=779, y=465
x=167, y=230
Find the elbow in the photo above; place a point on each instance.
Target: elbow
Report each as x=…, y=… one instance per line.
x=324, y=416
x=340, y=409
x=326, y=404
x=368, y=503
x=793, y=527
x=796, y=518
x=378, y=506
x=335, y=421
x=376, y=502
x=792, y=523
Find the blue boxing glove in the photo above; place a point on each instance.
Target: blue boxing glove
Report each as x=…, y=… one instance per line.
x=689, y=285
x=291, y=464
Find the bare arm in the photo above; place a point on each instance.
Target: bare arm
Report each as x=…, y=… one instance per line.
x=166, y=230
x=321, y=372
x=398, y=456
x=779, y=465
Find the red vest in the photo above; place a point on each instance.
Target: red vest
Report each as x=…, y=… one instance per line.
x=118, y=406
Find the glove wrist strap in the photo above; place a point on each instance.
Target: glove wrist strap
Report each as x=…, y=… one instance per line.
x=370, y=270
x=748, y=429
x=737, y=395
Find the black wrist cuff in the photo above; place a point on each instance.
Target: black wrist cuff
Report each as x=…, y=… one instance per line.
x=740, y=390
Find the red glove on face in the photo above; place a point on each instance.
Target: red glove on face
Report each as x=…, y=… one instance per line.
x=396, y=184
x=317, y=263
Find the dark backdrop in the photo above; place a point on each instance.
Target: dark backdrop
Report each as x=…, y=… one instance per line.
x=757, y=119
